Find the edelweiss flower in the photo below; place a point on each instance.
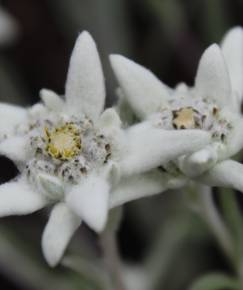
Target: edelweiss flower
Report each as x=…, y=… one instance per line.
x=70, y=154
x=64, y=151
x=212, y=105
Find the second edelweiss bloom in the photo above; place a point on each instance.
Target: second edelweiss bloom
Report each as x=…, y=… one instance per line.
x=212, y=105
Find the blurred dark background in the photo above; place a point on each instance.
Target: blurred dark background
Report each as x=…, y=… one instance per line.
x=167, y=36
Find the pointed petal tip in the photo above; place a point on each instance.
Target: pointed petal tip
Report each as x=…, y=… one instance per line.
x=110, y=118
x=232, y=47
x=212, y=78
x=212, y=50
x=235, y=31
x=120, y=63
x=85, y=84
x=51, y=256
x=144, y=92
x=118, y=58
x=100, y=224
x=85, y=36
x=58, y=232
x=89, y=200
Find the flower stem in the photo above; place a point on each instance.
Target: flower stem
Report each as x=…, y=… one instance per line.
x=211, y=216
x=112, y=259
x=108, y=243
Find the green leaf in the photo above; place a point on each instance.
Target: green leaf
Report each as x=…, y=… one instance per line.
x=215, y=281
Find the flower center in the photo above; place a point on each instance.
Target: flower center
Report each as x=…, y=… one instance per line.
x=63, y=142
x=184, y=118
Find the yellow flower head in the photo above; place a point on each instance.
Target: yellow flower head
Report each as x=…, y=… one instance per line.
x=63, y=142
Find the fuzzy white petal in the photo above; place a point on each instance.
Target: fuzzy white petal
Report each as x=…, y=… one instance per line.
x=202, y=160
x=225, y=174
x=142, y=185
x=232, y=47
x=10, y=117
x=51, y=100
x=148, y=147
x=18, y=198
x=109, y=119
x=15, y=148
x=143, y=90
x=85, y=88
x=89, y=200
x=51, y=185
x=58, y=232
x=235, y=139
x=212, y=78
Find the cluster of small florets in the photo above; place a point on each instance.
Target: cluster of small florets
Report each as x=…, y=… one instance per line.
x=194, y=113
x=67, y=149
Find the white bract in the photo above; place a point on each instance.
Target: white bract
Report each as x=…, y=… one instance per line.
x=71, y=154
x=212, y=105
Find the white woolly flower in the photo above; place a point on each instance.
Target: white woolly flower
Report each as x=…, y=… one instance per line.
x=212, y=105
x=71, y=154
x=67, y=153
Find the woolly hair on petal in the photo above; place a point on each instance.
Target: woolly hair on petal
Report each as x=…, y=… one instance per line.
x=232, y=47
x=225, y=174
x=85, y=87
x=51, y=100
x=58, y=232
x=201, y=161
x=11, y=116
x=149, y=147
x=89, y=200
x=142, y=89
x=15, y=148
x=212, y=79
x=142, y=185
x=18, y=198
x=109, y=119
x=235, y=140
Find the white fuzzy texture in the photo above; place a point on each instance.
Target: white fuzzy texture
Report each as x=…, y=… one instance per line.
x=212, y=79
x=90, y=201
x=85, y=88
x=142, y=185
x=51, y=185
x=225, y=174
x=232, y=47
x=52, y=100
x=148, y=147
x=59, y=230
x=18, y=198
x=202, y=160
x=235, y=140
x=109, y=119
x=15, y=148
x=11, y=116
x=144, y=91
